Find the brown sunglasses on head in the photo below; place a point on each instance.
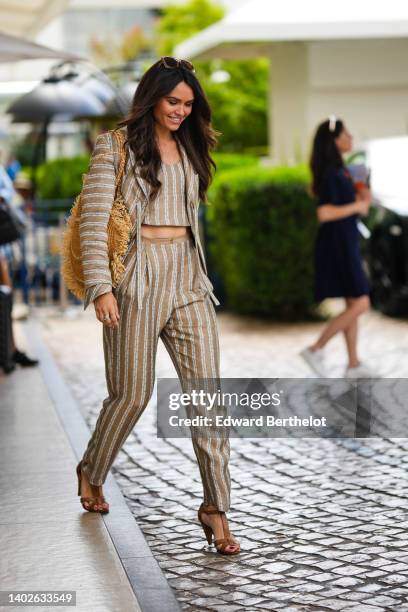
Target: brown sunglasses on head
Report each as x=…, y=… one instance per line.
x=172, y=62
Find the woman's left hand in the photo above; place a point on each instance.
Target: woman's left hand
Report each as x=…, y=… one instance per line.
x=365, y=194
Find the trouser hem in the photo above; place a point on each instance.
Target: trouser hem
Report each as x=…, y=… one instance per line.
x=92, y=481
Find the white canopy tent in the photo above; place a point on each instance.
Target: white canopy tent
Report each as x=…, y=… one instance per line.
x=27, y=17
x=348, y=59
x=295, y=20
x=14, y=49
x=21, y=21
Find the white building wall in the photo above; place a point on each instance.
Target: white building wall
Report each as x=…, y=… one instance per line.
x=369, y=113
x=358, y=62
x=288, y=99
x=364, y=82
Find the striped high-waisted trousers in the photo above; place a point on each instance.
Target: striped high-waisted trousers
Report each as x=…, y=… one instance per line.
x=176, y=309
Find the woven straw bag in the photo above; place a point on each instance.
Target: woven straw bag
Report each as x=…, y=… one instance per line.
x=118, y=231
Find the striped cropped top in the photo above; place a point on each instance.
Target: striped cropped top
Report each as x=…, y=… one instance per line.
x=169, y=206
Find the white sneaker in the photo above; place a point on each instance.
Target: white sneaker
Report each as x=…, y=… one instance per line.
x=315, y=361
x=360, y=371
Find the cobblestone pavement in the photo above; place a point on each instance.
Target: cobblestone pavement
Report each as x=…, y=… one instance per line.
x=322, y=523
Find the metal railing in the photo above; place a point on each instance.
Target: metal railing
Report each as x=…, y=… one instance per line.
x=35, y=259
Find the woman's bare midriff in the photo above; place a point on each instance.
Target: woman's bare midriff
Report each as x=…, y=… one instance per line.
x=163, y=231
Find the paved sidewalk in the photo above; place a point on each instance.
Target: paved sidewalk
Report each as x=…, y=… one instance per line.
x=47, y=541
x=322, y=523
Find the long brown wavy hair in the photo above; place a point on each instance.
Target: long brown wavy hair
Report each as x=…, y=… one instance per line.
x=195, y=133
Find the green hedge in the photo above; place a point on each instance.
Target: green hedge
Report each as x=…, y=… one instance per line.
x=228, y=161
x=61, y=178
x=261, y=225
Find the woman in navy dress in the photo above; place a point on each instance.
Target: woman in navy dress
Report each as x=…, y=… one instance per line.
x=338, y=266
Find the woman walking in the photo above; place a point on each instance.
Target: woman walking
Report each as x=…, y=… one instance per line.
x=338, y=266
x=164, y=291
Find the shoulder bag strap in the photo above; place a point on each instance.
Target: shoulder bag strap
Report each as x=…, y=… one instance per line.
x=120, y=143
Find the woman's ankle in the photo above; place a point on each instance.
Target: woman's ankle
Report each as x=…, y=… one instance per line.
x=315, y=347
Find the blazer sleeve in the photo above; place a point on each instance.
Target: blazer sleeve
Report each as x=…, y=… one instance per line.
x=95, y=291
x=97, y=198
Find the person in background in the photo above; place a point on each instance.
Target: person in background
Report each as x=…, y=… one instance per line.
x=338, y=265
x=24, y=188
x=13, y=167
x=7, y=193
x=7, y=190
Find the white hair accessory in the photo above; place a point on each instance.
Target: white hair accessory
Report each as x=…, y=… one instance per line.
x=332, y=123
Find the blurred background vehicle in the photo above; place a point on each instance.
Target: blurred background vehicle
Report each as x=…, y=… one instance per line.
x=387, y=248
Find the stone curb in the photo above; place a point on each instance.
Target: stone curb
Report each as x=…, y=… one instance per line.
x=145, y=576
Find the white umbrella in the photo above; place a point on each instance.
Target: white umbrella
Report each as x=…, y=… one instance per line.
x=14, y=49
x=121, y=103
x=55, y=96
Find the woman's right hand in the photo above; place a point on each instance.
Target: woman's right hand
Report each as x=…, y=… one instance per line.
x=363, y=202
x=106, y=304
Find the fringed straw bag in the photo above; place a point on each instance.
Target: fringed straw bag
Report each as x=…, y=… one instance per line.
x=118, y=230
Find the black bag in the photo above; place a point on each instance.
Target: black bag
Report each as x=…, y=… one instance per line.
x=13, y=223
x=6, y=360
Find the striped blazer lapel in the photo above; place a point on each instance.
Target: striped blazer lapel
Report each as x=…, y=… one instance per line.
x=191, y=177
x=144, y=185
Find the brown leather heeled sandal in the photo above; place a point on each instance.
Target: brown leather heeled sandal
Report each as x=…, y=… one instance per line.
x=222, y=543
x=92, y=502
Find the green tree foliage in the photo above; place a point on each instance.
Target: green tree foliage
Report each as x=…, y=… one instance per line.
x=107, y=51
x=180, y=21
x=240, y=104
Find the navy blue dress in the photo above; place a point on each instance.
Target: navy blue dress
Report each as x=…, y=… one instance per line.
x=338, y=266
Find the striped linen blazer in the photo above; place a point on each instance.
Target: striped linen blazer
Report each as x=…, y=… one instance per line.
x=96, y=203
